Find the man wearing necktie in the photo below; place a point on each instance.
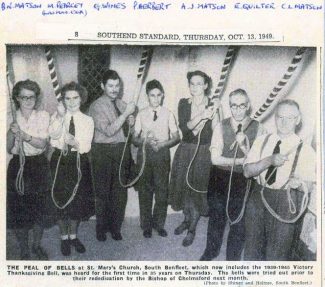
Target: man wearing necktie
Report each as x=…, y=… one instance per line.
x=277, y=161
x=226, y=134
x=112, y=117
x=157, y=125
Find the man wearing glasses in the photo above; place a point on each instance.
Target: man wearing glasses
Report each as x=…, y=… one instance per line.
x=231, y=140
x=279, y=162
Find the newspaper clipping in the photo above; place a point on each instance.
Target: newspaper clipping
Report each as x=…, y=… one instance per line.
x=161, y=143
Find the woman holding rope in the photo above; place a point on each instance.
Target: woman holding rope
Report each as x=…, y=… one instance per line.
x=27, y=135
x=284, y=169
x=71, y=134
x=193, y=115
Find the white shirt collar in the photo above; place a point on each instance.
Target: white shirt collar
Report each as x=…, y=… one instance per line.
x=157, y=109
x=21, y=117
x=235, y=124
x=293, y=138
x=75, y=115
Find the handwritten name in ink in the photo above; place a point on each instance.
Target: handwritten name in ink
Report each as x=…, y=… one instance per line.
x=301, y=6
x=19, y=5
x=254, y=6
x=151, y=6
x=65, y=8
x=109, y=6
x=203, y=6
x=272, y=6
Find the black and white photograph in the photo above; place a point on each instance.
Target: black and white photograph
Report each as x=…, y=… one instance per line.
x=162, y=152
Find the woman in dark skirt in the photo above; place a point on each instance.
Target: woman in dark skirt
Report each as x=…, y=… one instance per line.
x=71, y=133
x=27, y=136
x=193, y=115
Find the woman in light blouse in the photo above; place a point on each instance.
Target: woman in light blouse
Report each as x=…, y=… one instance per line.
x=25, y=207
x=71, y=134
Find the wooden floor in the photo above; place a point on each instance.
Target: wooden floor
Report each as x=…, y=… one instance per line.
x=133, y=247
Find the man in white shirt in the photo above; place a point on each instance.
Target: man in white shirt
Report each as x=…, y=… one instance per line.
x=157, y=126
x=277, y=162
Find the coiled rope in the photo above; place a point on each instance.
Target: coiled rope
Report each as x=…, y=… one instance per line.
x=143, y=67
x=292, y=207
x=225, y=71
x=248, y=186
x=19, y=183
x=75, y=189
x=56, y=87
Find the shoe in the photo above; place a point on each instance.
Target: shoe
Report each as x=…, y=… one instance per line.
x=76, y=243
x=25, y=255
x=207, y=257
x=188, y=240
x=117, y=236
x=162, y=232
x=40, y=253
x=65, y=247
x=181, y=228
x=100, y=234
x=147, y=233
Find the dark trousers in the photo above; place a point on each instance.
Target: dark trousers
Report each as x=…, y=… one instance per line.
x=266, y=237
x=217, y=200
x=110, y=196
x=154, y=181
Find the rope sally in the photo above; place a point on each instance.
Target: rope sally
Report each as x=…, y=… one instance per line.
x=225, y=71
x=142, y=71
x=20, y=174
x=231, y=54
x=56, y=87
x=286, y=77
x=53, y=75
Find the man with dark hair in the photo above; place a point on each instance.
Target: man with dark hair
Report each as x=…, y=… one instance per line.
x=155, y=125
x=111, y=116
x=233, y=130
x=278, y=162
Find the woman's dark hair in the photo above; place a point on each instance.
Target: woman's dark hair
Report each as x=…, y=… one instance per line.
x=27, y=85
x=73, y=86
x=154, y=84
x=207, y=80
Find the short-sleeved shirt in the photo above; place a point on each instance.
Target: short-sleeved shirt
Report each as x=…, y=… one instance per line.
x=36, y=126
x=84, y=130
x=161, y=128
x=104, y=114
x=306, y=165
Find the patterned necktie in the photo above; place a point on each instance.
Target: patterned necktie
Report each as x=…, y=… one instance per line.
x=239, y=128
x=272, y=168
x=72, y=130
x=118, y=112
x=155, y=116
x=116, y=108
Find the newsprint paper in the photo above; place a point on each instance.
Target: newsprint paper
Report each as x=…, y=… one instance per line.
x=195, y=160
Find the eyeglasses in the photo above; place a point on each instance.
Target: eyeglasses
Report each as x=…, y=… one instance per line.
x=25, y=98
x=241, y=106
x=291, y=118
